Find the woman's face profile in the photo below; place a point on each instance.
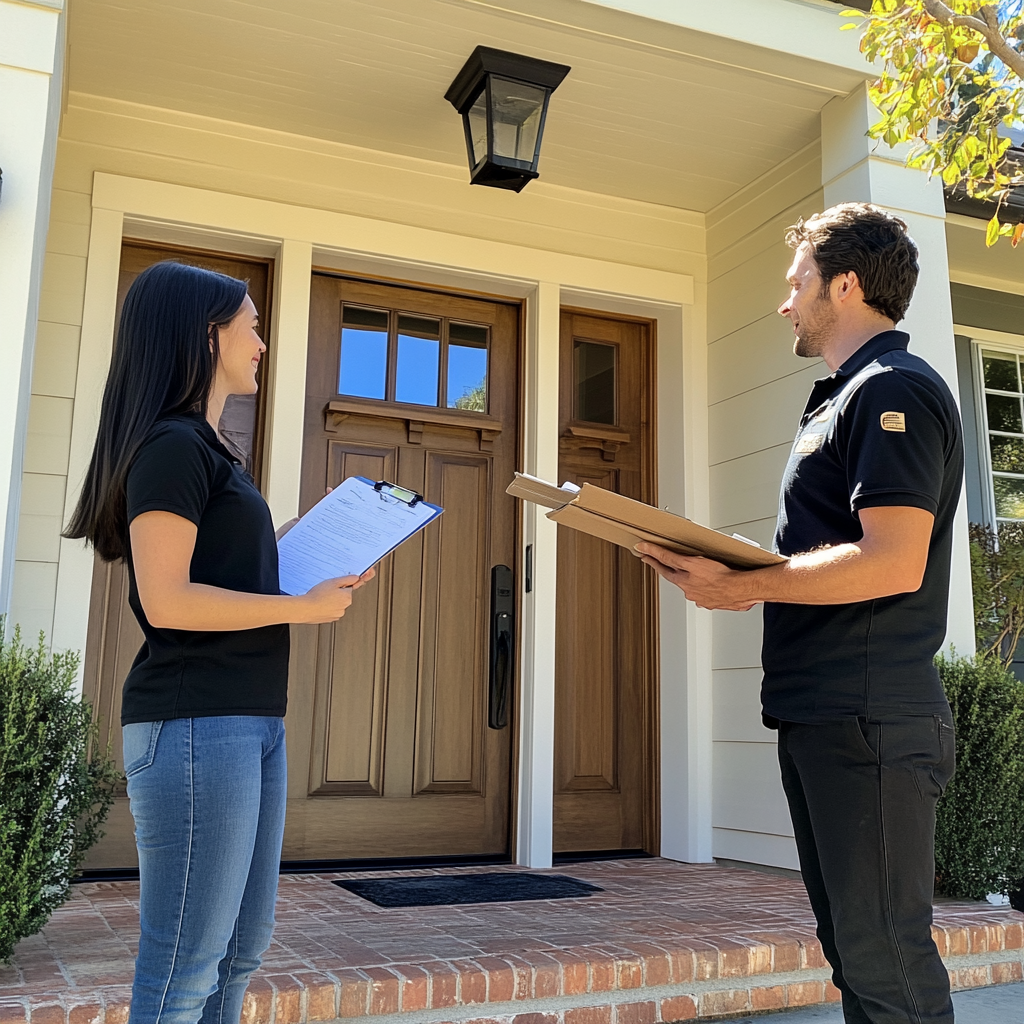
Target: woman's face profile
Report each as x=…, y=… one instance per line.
x=240, y=351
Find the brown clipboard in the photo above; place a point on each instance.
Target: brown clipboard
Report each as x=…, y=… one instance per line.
x=626, y=522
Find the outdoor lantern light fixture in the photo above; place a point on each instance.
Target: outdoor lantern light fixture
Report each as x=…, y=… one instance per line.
x=503, y=100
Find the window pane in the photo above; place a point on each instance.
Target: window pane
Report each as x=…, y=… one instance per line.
x=1009, y=497
x=517, y=108
x=419, y=356
x=1007, y=454
x=467, y=367
x=478, y=127
x=1000, y=371
x=594, y=380
x=364, y=352
x=1004, y=413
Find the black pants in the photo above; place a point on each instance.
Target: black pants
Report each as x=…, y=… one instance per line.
x=862, y=795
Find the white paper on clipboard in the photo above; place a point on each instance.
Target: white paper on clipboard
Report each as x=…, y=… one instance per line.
x=346, y=532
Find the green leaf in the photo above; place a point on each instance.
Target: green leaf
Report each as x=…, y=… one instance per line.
x=992, y=231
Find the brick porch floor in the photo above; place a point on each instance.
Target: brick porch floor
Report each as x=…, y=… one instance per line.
x=663, y=942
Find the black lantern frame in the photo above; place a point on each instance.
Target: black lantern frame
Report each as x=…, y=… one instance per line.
x=503, y=99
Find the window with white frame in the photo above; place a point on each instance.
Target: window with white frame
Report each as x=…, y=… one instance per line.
x=1002, y=415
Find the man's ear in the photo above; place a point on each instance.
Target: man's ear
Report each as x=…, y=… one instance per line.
x=845, y=286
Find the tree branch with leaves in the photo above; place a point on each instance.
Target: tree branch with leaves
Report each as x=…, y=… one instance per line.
x=951, y=84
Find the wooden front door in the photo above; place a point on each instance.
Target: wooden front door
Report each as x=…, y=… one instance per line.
x=114, y=637
x=605, y=639
x=397, y=744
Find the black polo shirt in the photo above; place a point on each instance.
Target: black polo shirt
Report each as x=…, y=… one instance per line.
x=178, y=673
x=882, y=430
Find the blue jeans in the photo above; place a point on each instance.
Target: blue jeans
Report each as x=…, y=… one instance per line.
x=208, y=798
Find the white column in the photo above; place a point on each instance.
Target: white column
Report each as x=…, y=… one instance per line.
x=686, y=705
x=856, y=168
x=288, y=344
x=31, y=72
x=537, y=706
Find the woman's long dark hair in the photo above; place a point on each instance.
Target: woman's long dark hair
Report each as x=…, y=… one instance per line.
x=162, y=365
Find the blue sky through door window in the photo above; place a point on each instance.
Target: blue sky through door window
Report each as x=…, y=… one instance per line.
x=467, y=367
x=364, y=352
x=419, y=359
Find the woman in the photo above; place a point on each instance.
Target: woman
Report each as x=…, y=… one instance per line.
x=204, y=701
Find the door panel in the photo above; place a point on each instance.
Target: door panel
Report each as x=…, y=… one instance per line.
x=605, y=711
x=114, y=637
x=454, y=630
x=348, y=757
x=400, y=759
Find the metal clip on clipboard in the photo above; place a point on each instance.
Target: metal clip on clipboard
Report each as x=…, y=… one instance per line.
x=403, y=494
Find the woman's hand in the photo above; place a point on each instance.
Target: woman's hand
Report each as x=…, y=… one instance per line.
x=328, y=601
x=162, y=548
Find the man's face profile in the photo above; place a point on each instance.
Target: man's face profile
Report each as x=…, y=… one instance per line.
x=811, y=311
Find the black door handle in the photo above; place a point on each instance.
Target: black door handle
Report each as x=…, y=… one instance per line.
x=503, y=610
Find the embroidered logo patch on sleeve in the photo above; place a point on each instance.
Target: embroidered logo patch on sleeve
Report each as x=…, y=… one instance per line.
x=809, y=443
x=894, y=421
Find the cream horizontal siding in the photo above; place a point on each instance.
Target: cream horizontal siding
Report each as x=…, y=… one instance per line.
x=756, y=848
x=758, y=419
x=748, y=794
x=741, y=489
x=51, y=409
x=737, y=639
x=756, y=389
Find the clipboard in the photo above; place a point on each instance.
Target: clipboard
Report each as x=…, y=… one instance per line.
x=626, y=522
x=350, y=529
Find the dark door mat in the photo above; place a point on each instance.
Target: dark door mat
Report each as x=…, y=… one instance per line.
x=449, y=890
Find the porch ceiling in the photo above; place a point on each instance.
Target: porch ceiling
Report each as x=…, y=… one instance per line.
x=651, y=111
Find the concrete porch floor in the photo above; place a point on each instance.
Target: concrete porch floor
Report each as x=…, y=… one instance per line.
x=663, y=942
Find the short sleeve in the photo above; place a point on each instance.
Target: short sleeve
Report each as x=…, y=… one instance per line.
x=894, y=432
x=171, y=473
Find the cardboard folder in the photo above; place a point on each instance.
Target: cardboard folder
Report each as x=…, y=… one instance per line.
x=626, y=522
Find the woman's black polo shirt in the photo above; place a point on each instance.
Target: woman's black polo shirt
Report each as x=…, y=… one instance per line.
x=883, y=430
x=183, y=468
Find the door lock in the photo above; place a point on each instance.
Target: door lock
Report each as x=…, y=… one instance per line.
x=503, y=610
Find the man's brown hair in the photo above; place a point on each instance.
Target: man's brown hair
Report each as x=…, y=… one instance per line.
x=869, y=241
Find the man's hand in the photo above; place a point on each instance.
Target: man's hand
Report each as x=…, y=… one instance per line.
x=707, y=583
x=889, y=559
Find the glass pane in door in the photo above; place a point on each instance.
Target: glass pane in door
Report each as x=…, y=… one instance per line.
x=594, y=381
x=467, y=367
x=419, y=359
x=364, y=352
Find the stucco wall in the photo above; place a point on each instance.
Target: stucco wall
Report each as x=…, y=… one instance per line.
x=756, y=391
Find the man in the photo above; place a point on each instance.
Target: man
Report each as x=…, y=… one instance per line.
x=854, y=618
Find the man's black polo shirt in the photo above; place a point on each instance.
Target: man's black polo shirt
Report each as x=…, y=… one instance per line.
x=882, y=430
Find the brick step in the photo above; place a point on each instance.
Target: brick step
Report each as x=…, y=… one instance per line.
x=559, y=987
x=660, y=942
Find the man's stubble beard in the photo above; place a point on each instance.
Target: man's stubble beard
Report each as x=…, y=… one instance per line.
x=815, y=331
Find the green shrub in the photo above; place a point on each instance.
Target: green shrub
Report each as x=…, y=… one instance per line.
x=53, y=795
x=979, y=837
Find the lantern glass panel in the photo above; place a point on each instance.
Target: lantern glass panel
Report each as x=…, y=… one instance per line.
x=516, y=109
x=476, y=129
